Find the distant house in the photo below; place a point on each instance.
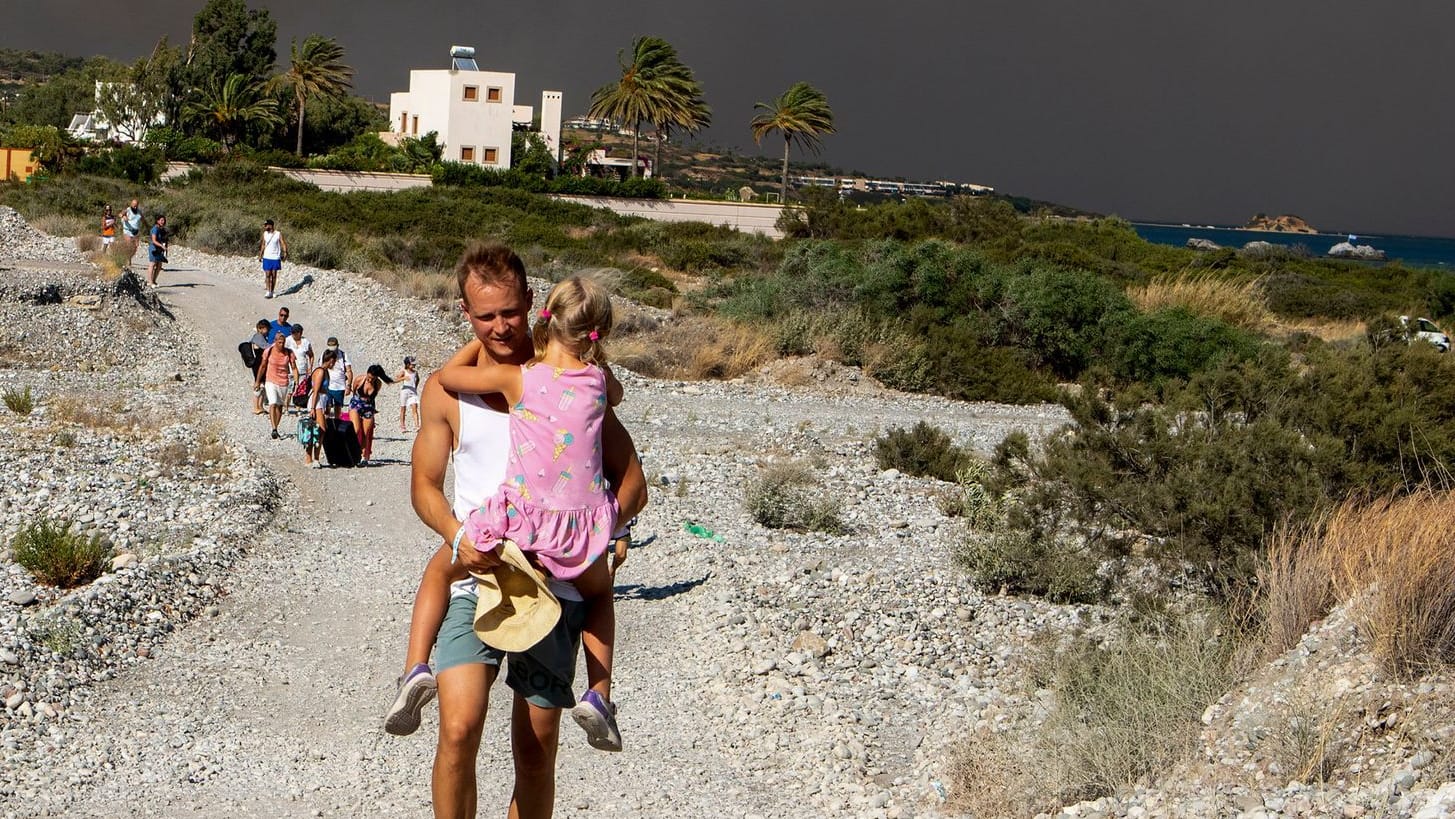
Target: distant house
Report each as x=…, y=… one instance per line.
x=599, y=163
x=472, y=111
x=133, y=126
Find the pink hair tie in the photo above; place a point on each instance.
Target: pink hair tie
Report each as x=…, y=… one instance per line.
x=594, y=335
x=545, y=314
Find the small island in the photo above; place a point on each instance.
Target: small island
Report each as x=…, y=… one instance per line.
x=1279, y=224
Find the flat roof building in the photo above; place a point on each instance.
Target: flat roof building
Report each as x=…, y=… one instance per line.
x=473, y=112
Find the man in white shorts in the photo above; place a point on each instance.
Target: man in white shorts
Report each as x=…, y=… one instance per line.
x=275, y=373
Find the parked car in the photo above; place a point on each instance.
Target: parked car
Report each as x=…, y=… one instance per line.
x=1425, y=330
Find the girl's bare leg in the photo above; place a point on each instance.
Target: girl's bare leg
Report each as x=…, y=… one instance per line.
x=598, y=634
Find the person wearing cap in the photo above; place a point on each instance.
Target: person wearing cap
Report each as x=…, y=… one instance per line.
x=301, y=346
x=473, y=431
x=340, y=377
x=272, y=250
x=408, y=379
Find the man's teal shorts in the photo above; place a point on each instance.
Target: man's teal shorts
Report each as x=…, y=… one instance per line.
x=543, y=675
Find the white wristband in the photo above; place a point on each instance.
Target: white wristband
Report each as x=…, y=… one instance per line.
x=455, y=545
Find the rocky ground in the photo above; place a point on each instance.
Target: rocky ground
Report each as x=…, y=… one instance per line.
x=238, y=660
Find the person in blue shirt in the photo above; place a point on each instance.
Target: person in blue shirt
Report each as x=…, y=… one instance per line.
x=157, y=254
x=280, y=326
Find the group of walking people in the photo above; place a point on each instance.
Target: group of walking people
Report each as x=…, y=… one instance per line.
x=131, y=223
x=321, y=389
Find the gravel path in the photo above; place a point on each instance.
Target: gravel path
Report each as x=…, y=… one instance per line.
x=774, y=674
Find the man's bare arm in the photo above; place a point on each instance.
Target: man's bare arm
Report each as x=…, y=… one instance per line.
x=430, y=457
x=622, y=467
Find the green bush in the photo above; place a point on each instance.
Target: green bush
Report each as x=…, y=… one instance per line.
x=19, y=402
x=1203, y=476
x=316, y=249
x=787, y=496
x=923, y=449
x=236, y=233
x=57, y=556
x=971, y=499
x=1021, y=562
x=129, y=162
x=1153, y=347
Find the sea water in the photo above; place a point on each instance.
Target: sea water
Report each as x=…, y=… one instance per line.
x=1414, y=251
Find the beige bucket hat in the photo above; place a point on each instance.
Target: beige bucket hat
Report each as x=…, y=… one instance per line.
x=515, y=609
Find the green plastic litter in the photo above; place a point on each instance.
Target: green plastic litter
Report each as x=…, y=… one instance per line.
x=702, y=531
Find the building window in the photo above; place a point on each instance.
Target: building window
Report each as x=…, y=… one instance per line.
x=415, y=129
x=472, y=93
x=467, y=154
x=492, y=94
x=403, y=121
x=492, y=155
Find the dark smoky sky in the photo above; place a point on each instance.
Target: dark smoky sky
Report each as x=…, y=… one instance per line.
x=1342, y=112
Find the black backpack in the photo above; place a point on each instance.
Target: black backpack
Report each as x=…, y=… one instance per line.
x=249, y=355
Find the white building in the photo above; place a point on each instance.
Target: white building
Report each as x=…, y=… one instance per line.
x=133, y=126
x=472, y=111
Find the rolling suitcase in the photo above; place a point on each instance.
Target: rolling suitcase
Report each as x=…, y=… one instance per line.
x=340, y=443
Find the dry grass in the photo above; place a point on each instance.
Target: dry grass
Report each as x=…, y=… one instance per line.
x=995, y=773
x=206, y=449
x=57, y=224
x=1395, y=557
x=1297, y=584
x=695, y=348
x=112, y=263
x=1124, y=710
x=1304, y=740
x=1240, y=304
x=1328, y=330
x=102, y=412
x=420, y=284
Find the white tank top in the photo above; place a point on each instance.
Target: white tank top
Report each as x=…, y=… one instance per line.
x=272, y=244
x=479, y=457
x=479, y=461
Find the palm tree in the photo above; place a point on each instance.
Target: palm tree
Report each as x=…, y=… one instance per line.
x=229, y=107
x=649, y=82
x=689, y=113
x=802, y=113
x=317, y=69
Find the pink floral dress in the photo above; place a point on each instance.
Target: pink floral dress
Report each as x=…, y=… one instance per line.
x=553, y=501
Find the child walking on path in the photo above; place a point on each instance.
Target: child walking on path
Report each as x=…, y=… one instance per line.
x=554, y=503
x=408, y=379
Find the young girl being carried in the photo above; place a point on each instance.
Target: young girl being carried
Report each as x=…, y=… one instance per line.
x=554, y=503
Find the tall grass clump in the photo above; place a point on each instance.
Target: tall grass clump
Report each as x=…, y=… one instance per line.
x=58, y=556
x=1123, y=709
x=1238, y=303
x=1132, y=708
x=1391, y=559
x=20, y=402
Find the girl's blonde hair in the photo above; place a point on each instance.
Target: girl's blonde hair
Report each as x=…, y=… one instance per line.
x=578, y=315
